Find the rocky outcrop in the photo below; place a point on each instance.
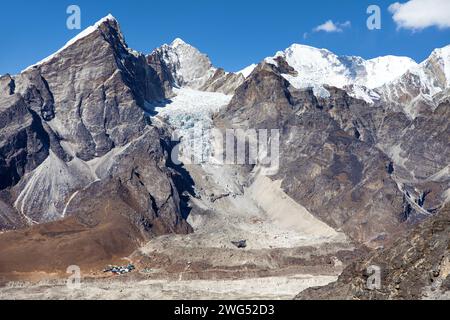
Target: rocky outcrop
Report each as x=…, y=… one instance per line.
x=181, y=65
x=224, y=82
x=415, y=266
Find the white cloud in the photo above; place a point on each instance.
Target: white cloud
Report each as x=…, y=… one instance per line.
x=421, y=14
x=330, y=26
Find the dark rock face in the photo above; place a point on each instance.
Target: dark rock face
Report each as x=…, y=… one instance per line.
x=139, y=179
x=23, y=141
x=415, y=266
x=157, y=62
x=337, y=156
x=74, y=134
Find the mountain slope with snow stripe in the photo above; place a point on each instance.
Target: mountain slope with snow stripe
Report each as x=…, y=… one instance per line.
x=86, y=32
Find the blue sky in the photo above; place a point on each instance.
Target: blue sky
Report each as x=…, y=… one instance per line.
x=233, y=33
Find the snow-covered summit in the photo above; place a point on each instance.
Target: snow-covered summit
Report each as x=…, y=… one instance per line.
x=385, y=69
x=189, y=67
x=441, y=57
x=184, y=66
x=178, y=42
x=421, y=83
x=318, y=67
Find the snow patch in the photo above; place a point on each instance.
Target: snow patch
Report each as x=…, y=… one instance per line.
x=68, y=203
x=441, y=175
x=395, y=153
x=447, y=196
x=248, y=70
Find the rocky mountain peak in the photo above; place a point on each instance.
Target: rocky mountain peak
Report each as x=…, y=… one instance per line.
x=72, y=119
x=188, y=65
x=108, y=24
x=180, y=64
x=439, y=62
x=422, y=87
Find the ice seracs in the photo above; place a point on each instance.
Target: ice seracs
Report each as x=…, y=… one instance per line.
x=190, y=112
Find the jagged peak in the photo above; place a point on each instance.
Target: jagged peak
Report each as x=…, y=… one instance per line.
x=297, y=49
x=109, y=17
x=442, y=55
x=175, y=45
x=83, y=34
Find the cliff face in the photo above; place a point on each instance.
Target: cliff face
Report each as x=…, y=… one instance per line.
x=77, y=121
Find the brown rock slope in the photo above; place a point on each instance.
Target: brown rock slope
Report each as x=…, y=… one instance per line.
x=416, y=266
x=336, y=174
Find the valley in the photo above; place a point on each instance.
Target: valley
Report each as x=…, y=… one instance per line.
x=97, y=144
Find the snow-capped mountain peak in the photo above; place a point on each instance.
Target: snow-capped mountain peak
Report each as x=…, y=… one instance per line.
x=247, y=70
x=184, y=66
x=188, y=65
x=318, y=67
x=178, y=42
x=441, y=57
x=314, y=66
x=419, y=86
x=385, y=69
